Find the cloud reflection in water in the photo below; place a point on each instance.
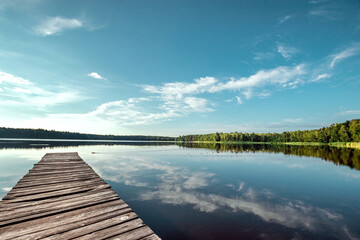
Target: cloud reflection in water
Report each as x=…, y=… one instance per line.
x=181, y=185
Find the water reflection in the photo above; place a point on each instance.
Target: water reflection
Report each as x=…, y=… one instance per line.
x=340, y=156
x=203, y=189
x=243, y=191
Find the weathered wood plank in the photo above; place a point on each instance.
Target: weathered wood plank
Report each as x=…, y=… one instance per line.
x=98, y=226
x=33, y=214
x=55, y=181
x=58, y=168
x=33, y=178
x=39, y=204
x=116, y=230
x=151, y=237
x=138, y=233
x=17, y=198
x=68, y=220
x=58, y=173
x=63, y=198
x=52, y=187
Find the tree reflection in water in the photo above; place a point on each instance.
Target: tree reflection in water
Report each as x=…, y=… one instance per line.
x=339, y=156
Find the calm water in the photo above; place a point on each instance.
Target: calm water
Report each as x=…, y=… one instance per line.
x=219, y=192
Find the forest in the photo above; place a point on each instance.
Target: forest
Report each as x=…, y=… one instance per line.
x=52, y=134
x=348, y=131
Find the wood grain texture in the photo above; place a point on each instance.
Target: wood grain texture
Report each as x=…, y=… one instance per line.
x=63, y=198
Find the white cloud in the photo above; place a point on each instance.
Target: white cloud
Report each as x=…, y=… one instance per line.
x=349, y=52
x=326, y=12
x=317, y=1
x=293, y=120
x=176, y=90
x=286, y=51
x=56, y=25
x=178, y=97
x=350, y=112
x=248, y=93
x=263, y=56
x=284, y=19
x=12, y=79
x=130, y=112
x=197, y=104
x=17, y=91
x=95, y=75
x=239, y=101
x=320, y=76
x=276, y=76
x=264, y=94
x=166, y=102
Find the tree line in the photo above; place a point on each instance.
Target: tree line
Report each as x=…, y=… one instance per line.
x=348, y=131
x=52, y=134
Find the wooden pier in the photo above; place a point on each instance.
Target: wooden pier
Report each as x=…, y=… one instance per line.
x=63, y=198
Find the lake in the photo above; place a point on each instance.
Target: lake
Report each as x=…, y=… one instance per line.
x=212, y=191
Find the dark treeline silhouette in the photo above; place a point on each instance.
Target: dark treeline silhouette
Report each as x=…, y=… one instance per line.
x=339, y=156
x=35, y=144
x=348, y=131
x=52, y=134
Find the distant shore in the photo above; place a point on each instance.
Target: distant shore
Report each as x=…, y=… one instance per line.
x=333, y=144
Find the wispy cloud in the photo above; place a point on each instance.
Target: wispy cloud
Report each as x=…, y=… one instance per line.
x=326, y=12
x=56, y=25
x=96, y=75
x=320, y=76
x=293, y=120
x=263, y=56
x=17, y=91
x=286, y=51
x=317, y=1
x=349, y=52
x=180, y=95
x=284, y=19
x=18, y=4
x=350, y=112
x=238, y=99
x=130, y=112
x=277, y=76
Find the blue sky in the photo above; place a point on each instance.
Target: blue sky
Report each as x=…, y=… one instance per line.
x=178, y=67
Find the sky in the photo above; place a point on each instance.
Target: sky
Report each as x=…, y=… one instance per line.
x=175, y=67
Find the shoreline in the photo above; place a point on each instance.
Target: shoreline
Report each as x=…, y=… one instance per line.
x=354, y=145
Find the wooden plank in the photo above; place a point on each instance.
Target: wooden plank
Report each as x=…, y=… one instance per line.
x=151, y=237
x=69, y=219
x=58, y=168
x=138, y=233
x=81, y=226
x=98, y=226
x=17, y=198
x=63, y=198
x=53, y=187
x=60, y=173
x=33, y=178
x=55, y=181
x=50, y=210
x=7, y=206
x=116, y=230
